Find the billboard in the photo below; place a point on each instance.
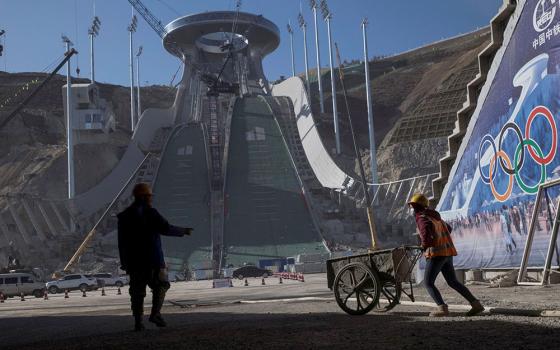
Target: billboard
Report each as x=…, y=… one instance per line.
x=510, y=148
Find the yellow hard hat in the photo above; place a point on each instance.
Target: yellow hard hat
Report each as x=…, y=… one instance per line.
x=420, y=199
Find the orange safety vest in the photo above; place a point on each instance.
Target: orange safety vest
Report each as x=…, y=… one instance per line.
x=442, y=242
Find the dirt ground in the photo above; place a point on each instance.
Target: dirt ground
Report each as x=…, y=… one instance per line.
x=293, y=315
x=310, y=325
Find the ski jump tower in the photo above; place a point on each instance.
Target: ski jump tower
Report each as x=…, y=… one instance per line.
x=227, y=45
x=213, y=172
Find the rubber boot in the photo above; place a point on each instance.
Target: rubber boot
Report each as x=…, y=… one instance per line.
x=158, y=297
x=476, y=308
x=138, y=324
x=157, y=320
x=441, y=311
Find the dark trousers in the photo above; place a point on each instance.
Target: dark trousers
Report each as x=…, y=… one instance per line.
x=443, y=264
x=138, y=282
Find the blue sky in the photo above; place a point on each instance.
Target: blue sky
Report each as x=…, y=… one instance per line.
x=33, y=30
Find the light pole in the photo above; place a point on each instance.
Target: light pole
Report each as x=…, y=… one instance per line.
x=131, y=30
x=2, y=43
x=313, y=4
x=303, y=27
x=69, y=129
x=372, y=155
x=290, y=30
x=93, y=32
x=327, y=16
x=138, y=79
x=2, y=32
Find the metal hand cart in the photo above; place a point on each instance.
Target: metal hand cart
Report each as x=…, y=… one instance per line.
x=372, y=281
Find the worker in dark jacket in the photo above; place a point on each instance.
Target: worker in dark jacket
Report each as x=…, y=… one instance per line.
x=435, y=237
x=140, y=227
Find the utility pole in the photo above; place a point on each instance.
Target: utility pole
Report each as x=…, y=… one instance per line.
x=138, y=79
x=93, y=32
x=327, y=16
x=69, y=128
x=2, y=43
x=313, y=4
x=131, y=30
x=2, y=32
x=291, y=32
x=303, y=27
x=372, y=154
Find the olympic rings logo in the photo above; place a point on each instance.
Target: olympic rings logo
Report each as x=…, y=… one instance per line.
x=525, y=141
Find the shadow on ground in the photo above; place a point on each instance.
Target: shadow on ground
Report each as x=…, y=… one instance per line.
x=207, y=329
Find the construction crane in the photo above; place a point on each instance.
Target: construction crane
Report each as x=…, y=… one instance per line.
x=19, y=107
x=152, y=20
x=155, y=24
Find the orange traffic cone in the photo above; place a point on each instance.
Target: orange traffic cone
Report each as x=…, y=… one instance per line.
x=66, y=294
x=45, y=295
x=246, y=283
x=119, y=291
x=22, y=297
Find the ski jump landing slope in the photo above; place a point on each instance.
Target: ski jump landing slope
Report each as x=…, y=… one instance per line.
x=181, y=194
x=266, y=211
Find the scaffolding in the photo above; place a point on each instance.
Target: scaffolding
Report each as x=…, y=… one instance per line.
x=435, y=116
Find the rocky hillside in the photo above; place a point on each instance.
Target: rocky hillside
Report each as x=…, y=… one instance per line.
x=402, y=84
x=32, y=145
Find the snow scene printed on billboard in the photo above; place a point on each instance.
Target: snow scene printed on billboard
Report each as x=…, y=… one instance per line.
x=512, y=148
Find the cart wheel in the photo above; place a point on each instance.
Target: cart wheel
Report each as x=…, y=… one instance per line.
x=356, y=289
x=389, y=297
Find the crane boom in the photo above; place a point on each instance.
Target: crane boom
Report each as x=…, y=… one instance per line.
x=15, y=112
x=149, y=17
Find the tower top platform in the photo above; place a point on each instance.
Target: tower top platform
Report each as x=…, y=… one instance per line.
x=197, y=31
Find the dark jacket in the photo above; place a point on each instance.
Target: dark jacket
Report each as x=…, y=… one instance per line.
x=426, y=229
x=140, y=227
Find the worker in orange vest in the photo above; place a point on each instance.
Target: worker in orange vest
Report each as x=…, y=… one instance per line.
x=435, y=237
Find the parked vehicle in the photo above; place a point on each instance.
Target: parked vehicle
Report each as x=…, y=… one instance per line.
x=107, y=279
x=251, y=271
x=72, y=282
x=12, y=284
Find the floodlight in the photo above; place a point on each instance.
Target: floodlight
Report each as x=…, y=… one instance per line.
x=325, y=10
x=66, y=40
x=132, y=26
x=301, y=20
